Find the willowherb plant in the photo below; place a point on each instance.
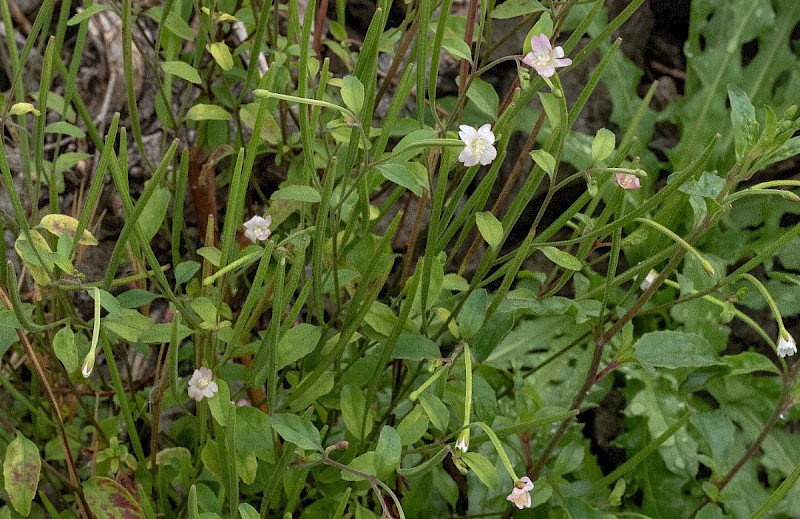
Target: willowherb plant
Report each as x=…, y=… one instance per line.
x=445, y=302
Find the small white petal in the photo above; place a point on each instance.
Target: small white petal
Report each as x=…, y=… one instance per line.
x=786, y=345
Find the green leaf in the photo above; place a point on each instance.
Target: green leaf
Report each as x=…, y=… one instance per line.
x=457, y=48
x=545, y=161
x=222, y=54
x=353, y=404
x=353, y=93
x=364, y=463
x=483, y=468
x=490, y=228
x=603, y=144
x=473, y=313
x=297, y=430
x=484, y=96
x=65, y=128
x=179, y=27
x=107, y=499
x=672, y=349
x=413, y=426
x=66, y=350
x=411, y=175
x=8, y=330
x=296, y=343
x=220, y=404
x=297, y=193
x=514, y=8
x=21, y=468
x=437, y=412
x=154, y=213
x=561, y=258
x=182, y=70
x=247, y=511
x=59, y=224
x=135, y=298
x=749, y=362
x=207, y=112
x=413, y=346
x=66, y=161
x=388, y=451
x=743, y=118
x=185, y=270
x=85, y=14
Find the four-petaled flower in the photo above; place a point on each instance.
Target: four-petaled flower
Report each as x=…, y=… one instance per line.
x=479, y=145
x=786, y=345
x=257, y=228
x=520, y=494
x=201, y=386
x=627, y=180
x=544, y=58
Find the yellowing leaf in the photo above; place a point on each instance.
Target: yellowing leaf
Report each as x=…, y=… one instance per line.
x=23, y=108
x=222, y=54
x=59, y=224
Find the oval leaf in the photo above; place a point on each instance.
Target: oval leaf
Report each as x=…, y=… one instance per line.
x=108, y=499
x=411, y=175
x=205, y=112
x=483, y=468
x=66, y=350
x=298, y=430
x=352, y=93
x=21, y=468
x=296, y=343
x=222, y=54
x=603, y=144
x=298, y=193
x=182, y=70
x=671, y=349
x=59, y=224
x=490, y=228
x=561, y=258
x=544, y=160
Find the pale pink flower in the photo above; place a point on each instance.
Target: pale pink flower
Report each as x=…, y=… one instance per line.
x=786, y=345
x=257, y=228
x=544, y=58
x=201, y=384
x=627, y=180
x=478, y=145
x=520, y=494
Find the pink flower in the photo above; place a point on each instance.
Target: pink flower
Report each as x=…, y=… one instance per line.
x=520, y=494
x=201, y=384
x=478, y=145
x=627, y=180
x=544, y=58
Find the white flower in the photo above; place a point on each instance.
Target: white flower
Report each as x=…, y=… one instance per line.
x=520, y=494
x=462, y=442
x=479, y=145
x=544, y=58
x=201, y=386
x=648, y=281
x=257, y=228
x=627, y=181
x=786, y=345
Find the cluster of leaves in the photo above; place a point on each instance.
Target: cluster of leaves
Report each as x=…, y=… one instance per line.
x=371, y=361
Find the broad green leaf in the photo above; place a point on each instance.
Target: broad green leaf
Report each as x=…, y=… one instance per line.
x=296, y=343
x=135, y=298
x=185, y=270
x=388, y=451
x=222, y=54
x=108, y=499
x=514, y=8
x=561, y=258
x=66, y=350
x=411, y=175
x=485, y=97
x=8, y=329
x=743, y=118
x=65, y=128
x=353, y=93
x=220, y=404
x=85, y=14
x=298, y=430
x=545, y=161
x=413, y=426
x=364, y=463
x=59, y=224
x=749, y=362
x=603, y=144
x=457, y=48
x=298, y=193
x=490, y=228
x=483, y=468
x=437, y=412
x=673, y=349
x=416, y=347
x=179, y=27
x=21, y=468
x=208, y=112
x=68, y=160
x=472, y=314
x=183, y=70
x=247, y=511
x=353, y=404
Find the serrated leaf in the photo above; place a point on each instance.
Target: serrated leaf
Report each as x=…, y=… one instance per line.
x=352, y=93
x=182, y=70
x=85, y=14
x=221, y=54
x=21, y=468
x=107, y=499
x=59, y=224
x=490, y=228
x=297, y=430
x=207, y=112
x=562, y=258
x=603, y=144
